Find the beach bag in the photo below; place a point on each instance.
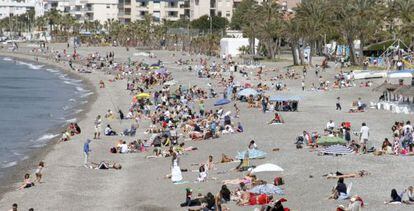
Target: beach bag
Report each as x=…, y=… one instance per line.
x=113, y=150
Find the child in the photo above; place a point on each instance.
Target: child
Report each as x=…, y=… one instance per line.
x=38, y=172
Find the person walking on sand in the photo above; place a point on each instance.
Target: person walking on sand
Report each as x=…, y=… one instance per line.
x=364, y=135
x=237, y=110
x=86, y=150
x=303, y=85
x=338, y=104
x=98, y=128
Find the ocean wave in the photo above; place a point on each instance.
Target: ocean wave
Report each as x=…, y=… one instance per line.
x=71, y=120
x=7, y=59
x=46, y=137
x=72, y=100
x=81, y=89
x=78, y=111
x=8, y=164
x=65, y=108
x=52, y=70
x=86, y=94
x=31, y=66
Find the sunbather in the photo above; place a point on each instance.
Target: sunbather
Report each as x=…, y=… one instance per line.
x=105, y=165
x=338, y=175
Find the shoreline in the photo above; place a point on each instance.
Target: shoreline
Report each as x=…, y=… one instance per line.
x=13, y=173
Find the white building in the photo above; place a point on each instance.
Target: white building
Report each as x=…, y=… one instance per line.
x=221, y=8
x=18, y=7
x=173, y=10
x=100, y=10
x=91, y=10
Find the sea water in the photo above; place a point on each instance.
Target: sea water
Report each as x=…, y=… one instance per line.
x=35, y=102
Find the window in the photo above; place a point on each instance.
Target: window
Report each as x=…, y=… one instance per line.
x=108, y=6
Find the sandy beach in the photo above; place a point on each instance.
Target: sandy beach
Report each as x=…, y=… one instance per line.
x=141, y=184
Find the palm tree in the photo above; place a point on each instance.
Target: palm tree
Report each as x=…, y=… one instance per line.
x=357, y=19
x=293, y=33
x=269, y=26
x=314, y=17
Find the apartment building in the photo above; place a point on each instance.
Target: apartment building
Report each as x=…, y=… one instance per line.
x=18, y=7
x=100, y=10
x=90, y=10
x=131, y=10
x=221, y=8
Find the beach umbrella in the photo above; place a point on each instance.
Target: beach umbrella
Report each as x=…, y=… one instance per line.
x=337, y=150
x=247, y=92
x=253, y=154
x=279, y=98
x=161, y=71
x=268, y=189
x=143, y=95
x=328, y=141
x=222, y=102
x=267, y=167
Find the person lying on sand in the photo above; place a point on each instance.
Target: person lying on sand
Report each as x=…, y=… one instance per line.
x=248, y=179
x=104, y=165
x=338, y=175
x=226, y=159
x=27, y=183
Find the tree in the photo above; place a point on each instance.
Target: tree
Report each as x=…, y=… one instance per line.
x=357, y=19
x=203, y=23
x=269, y=27
x=314, y=18
x=239, y=18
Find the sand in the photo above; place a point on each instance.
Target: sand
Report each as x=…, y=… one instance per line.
x=140, y=185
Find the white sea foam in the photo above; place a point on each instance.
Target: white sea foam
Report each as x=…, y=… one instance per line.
x=78, y=111
x=46, y=137
x=52, y=70
x=71, y=120
x=72, y=100
x=7, y=59
x=80, y=89
x=9, y=164
x=86, y=94
x=31, y=66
